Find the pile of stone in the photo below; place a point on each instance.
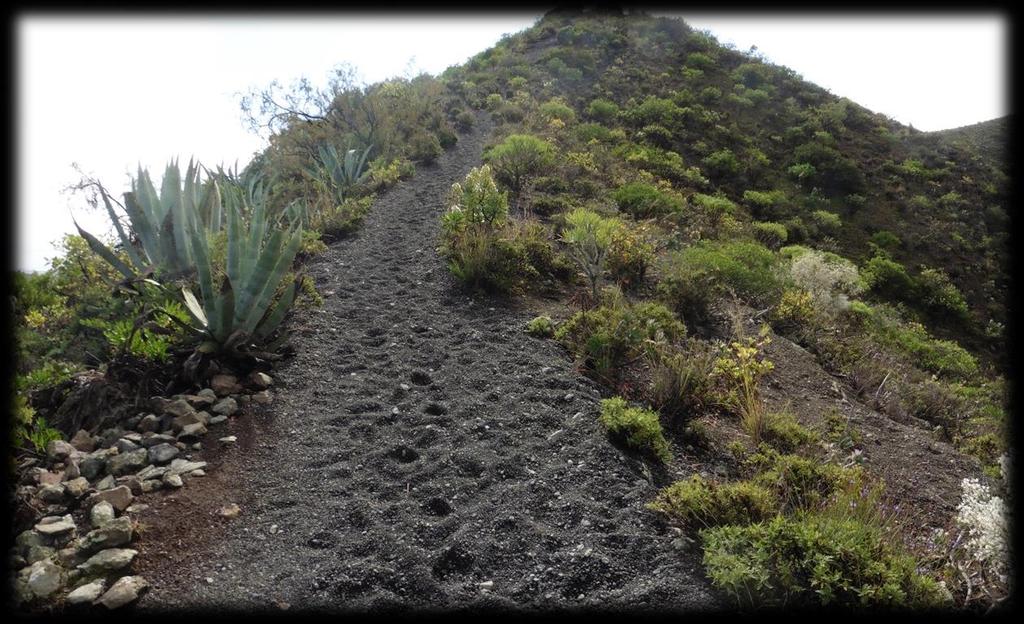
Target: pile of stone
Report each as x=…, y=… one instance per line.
x=98, y=479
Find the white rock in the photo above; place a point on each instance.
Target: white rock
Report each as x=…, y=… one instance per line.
x=88, y=592
x=127, y=589
x=44, y=578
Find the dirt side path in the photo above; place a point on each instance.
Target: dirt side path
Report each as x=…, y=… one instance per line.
x=422, y=452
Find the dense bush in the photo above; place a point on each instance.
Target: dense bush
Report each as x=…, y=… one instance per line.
x=637, y=428
x=698, y=503
x=681, y=385
x=541, y=327
x=643, y=200
x=813, y=559
x=613, y=335
x=942, y=357
x=602, y=110
x=770, y=234
x=518, y=159
x=424, y=147
x=694, y=277
x=629, y=254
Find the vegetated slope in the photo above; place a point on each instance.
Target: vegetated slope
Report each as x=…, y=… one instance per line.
x=424, y=452
x=710, y=119
x=985, y=140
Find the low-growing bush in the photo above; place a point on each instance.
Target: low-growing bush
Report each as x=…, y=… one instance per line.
x=783, y=432
x=637, y=428
x=694, y=277
x=611, y=336
x=802, y=483
x=738, y=371
x=424, y=147
x=697, y=503
x=681, y=385
x=643, y=200
x=603, y=110
x=812, y=559
x=541, y=327
x=629, y=255
x=771, y=235
x=557, y=108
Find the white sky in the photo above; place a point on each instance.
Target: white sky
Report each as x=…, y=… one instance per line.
x=112, y=93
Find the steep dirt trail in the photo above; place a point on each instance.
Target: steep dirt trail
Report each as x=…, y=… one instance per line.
x=423, y=452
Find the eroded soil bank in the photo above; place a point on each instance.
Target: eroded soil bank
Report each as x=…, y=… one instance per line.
x=422, y=452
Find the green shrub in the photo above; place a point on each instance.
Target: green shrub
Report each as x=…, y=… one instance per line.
x=699, y=60
x=714, y=207
x=541, y=327
x=493, y=101
x=638, y=428
x=771, y=234
x=722, y=163
x=475, y=201
x=510, y=112
x=681, y=385
x=642, y=200
x=383, y=173
x=446, y=137
x=886, y=240
x=664, y=163
x=746, y=268
x=942, y=357
x=656, y=135
x=610, y=336
x=765, y=203
x=887, y=277
x=629, y=255
x=937, y=292
x=814, y=559
x=700, y=504
x=589, y=235
x=465, y=121
x=587, y=132
x=783, y=432
x=518, y=159
x=802, y=483
x=343, y=219
x=654, y=110
x=827, y=222
x=556, y=108
x=424, y=147
x=603, y=110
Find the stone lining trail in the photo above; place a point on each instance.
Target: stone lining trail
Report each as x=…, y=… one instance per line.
x=423, y=452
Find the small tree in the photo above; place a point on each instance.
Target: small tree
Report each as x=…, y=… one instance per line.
x=589, y=235
x=517, y=159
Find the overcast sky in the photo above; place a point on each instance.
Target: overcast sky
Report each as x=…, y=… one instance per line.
x=110, y=94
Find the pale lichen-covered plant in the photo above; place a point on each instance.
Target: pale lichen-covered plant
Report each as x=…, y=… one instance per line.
x=829, y=279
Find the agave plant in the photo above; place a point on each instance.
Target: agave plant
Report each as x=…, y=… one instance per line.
x=344, y=173
x=260, y=252
x=161, y=223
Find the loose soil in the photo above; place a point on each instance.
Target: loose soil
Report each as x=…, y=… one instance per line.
x=488, y=483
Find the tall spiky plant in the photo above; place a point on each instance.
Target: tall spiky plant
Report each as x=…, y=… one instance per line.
x=343, y=172
x=160, y=244
x=242, y=310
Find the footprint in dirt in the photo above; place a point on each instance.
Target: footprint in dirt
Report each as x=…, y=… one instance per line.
x=420, y=378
